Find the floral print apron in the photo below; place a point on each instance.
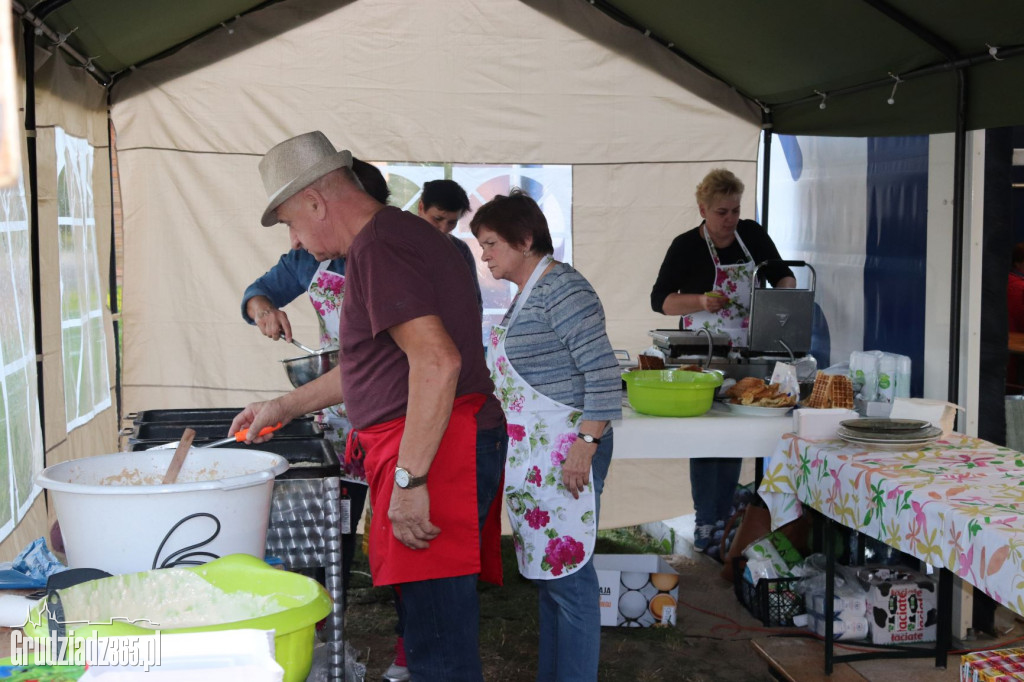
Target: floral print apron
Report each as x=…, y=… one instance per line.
x=735, y=282
x=327, y=291
x=553, y=533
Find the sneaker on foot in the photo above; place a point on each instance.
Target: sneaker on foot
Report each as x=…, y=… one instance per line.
x=702, y=537
x=396, y=673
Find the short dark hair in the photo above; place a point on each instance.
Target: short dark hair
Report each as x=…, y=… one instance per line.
x=371, y=179
x=514, y=218
x=1018, y=253
x=447, y=195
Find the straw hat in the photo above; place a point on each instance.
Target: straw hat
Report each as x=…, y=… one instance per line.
x=296, y=163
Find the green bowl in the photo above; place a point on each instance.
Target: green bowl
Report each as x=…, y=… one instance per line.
x=300, y=603
x=671, y=392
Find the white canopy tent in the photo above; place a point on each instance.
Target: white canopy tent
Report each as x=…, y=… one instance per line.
x=450, y=81
x=398, y=81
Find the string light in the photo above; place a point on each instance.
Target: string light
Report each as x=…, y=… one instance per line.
x=230, y=29
x=892, y=95
x=824, y=96
x=994, y=51
x=63, y=37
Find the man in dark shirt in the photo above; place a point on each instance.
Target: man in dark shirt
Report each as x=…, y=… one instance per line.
x=442, y=204
x=419, y=396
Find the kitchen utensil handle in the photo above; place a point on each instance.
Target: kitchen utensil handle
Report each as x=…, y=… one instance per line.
x=304, y=347
x=179, y=456
x=240, y=436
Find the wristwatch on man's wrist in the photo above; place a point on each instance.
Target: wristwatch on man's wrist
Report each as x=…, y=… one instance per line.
x=405, y=480
x=587, y=438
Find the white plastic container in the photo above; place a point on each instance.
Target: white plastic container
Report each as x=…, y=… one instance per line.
x=903, y=376
x=864, y=374
x=887, y=377
x=114, y=513
x=820, y=424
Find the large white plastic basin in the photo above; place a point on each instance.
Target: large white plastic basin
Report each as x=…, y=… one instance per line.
x=119, y=528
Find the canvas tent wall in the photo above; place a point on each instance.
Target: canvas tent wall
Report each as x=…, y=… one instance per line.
x=505, y=84
x=502, y=81
x=61, y=102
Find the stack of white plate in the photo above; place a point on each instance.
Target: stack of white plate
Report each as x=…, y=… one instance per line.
x=896, y=435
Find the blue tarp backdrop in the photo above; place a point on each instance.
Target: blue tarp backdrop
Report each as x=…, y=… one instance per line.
x=856, y=210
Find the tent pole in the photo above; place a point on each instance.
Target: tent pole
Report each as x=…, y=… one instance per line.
x=33, y=214
x=29, y=17
x=959, y=175
x=115, y=306
x=766, y=171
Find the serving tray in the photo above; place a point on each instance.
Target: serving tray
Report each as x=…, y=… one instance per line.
x=758, y=411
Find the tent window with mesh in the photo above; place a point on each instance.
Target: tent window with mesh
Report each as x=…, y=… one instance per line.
x=86, y=383
x=21, y=443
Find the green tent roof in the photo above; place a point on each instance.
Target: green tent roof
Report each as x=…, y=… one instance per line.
x=788, y=56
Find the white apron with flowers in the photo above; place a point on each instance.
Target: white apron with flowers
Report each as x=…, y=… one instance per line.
x=327, y=291
x=735, y=282
x=553, y=532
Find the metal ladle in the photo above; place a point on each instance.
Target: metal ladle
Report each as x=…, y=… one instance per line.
x=305, y=348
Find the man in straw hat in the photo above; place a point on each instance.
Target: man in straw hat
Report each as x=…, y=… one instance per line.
x=419, y=396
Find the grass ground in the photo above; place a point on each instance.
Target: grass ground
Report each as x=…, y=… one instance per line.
x=508, y=629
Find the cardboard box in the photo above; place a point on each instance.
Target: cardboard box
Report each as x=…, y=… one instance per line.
x=637, y=590
x=902, y=607
x=820, y=424
x=191, y=657
x=849, y=628
x=995, y=665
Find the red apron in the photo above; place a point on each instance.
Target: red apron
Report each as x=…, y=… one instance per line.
x=458, y=549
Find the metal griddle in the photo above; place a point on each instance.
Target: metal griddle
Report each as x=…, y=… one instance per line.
x=158, y=433
x=676, y=343
x=780, y=319
x=190, y=417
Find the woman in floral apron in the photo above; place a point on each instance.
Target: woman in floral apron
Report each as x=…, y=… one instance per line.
x=560, y=386
x=706, y=278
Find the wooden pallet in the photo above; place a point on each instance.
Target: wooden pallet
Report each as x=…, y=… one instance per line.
x=796, y=659
x=803, y=660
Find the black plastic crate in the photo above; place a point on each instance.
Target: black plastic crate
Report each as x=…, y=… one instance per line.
x=773, y=601
x=190, y=416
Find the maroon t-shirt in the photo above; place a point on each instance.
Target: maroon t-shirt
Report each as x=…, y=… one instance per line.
x=399, y=268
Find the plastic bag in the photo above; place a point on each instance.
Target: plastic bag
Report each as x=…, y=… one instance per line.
x=784, y=375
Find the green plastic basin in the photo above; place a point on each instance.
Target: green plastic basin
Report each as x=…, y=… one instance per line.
x=671, y=392
x=300, y=602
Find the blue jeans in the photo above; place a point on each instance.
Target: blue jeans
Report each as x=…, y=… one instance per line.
x=441, y=617
x=713, y=482
x=570, y=607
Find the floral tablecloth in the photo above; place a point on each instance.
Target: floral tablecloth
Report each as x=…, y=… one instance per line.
x=954, y=504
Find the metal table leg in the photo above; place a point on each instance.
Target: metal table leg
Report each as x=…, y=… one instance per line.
x=332, y=565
